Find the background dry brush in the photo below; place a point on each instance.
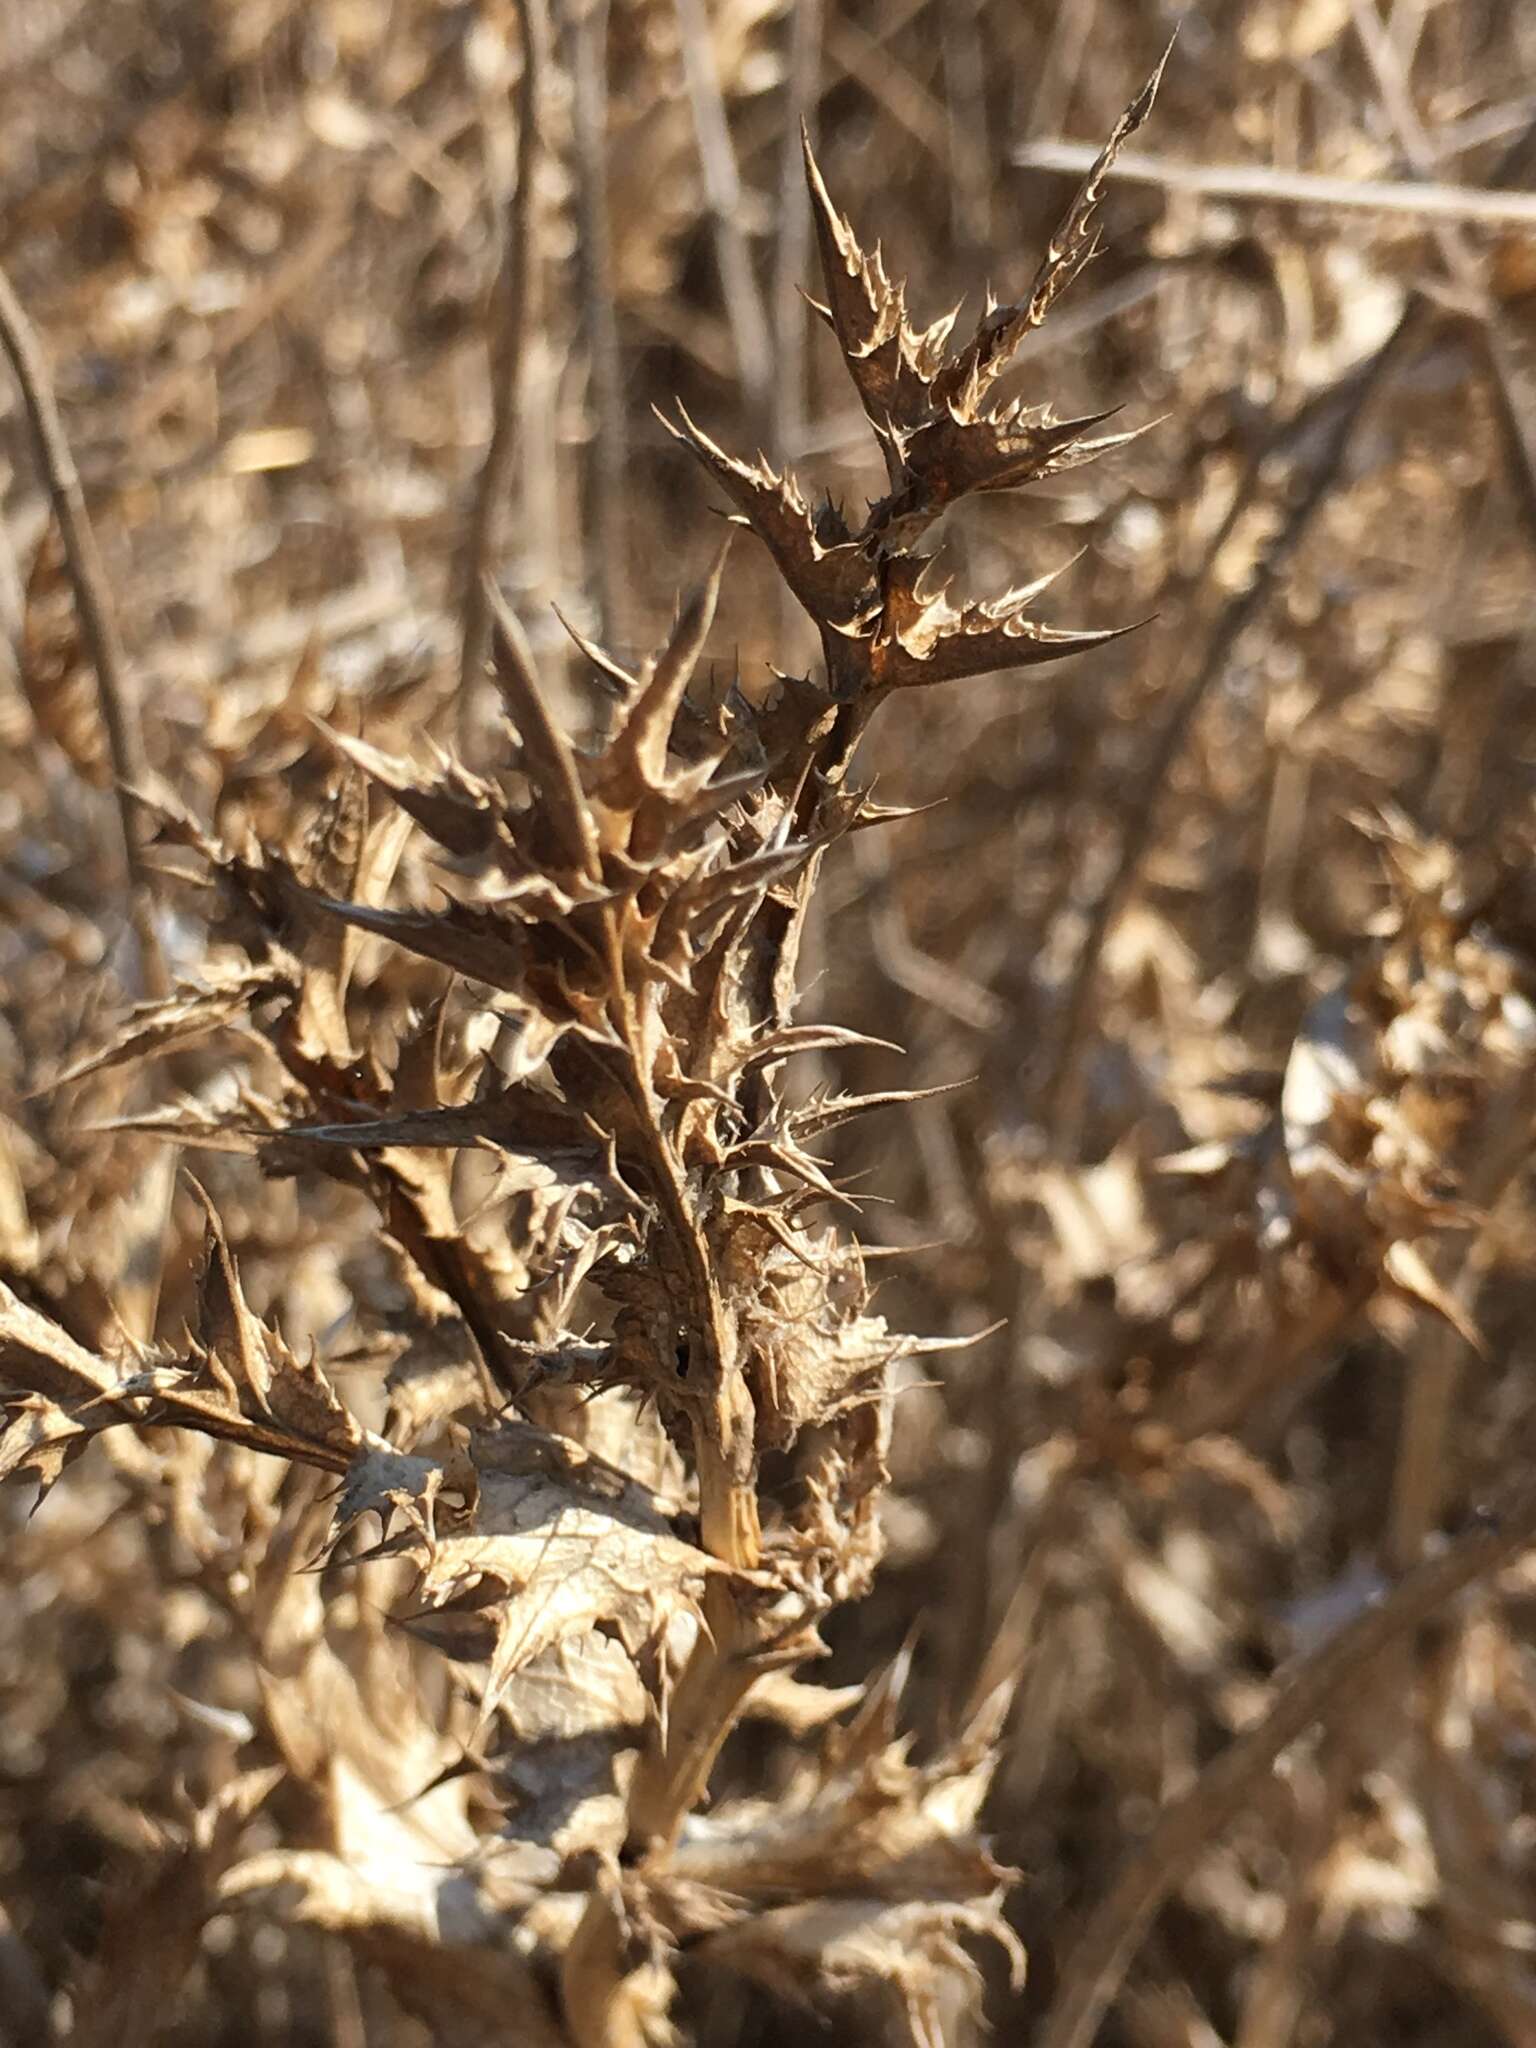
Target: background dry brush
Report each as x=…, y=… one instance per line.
x=606, y=1503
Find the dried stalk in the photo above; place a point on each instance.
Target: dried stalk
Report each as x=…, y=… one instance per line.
x=1421, y=1474
x=93, y=603
x=1265, y=185
x=1346, y=402
x=1508, y=356
x=510, y=336
x=586, y=27
x=744, y=308
x=970, y=148
x=861, y=54
x=1057, y=78
x=1104, y=1951
x=792, y=248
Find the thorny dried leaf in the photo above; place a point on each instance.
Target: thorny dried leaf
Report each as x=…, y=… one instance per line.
x=904, y=1968
x=523, y=1544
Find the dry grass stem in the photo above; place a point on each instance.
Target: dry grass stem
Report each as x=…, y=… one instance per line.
x=1266, y=185
x=119, y=711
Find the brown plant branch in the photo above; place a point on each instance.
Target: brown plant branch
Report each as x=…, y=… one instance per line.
x=1265, y=184
x=1346, y=402
x=1104, y=1951
x=1508, y=358
x=792, y=248
x=673, y=1771
x=509, y=350
x=608, y=451
x=93, y=603
x=744, y=308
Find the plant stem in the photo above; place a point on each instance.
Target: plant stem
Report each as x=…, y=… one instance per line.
x=1317, y=1683
x=508, y=352
x=119, y=712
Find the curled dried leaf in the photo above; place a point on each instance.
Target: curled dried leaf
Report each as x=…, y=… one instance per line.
x=542, y=1544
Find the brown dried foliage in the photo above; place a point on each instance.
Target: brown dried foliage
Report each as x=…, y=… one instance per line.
x=448, y=1494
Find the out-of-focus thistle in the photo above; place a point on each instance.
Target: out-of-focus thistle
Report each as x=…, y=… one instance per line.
x=603, y=1011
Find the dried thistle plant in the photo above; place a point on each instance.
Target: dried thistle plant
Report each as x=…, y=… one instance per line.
x=638, y=1408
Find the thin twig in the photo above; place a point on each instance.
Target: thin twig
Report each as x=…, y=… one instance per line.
x=865, y=59
x=1347, y=400
x=13, y=601
x=1265, y=185
x=1512, y=375
x=791, y=267
x=1382, y=55
x=1057, y=77
x=1489, y=124
x=1423, y=1468
x=93, y=604
x=608, y=461
x=758, y=130
x=509, y=351
x=970, y=150
x=1316, y=1683
x=1275, y=1995
x=1508, y=360
x=744, y=308
x=792, y=249
x=1405, y=26
x=939, y=983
